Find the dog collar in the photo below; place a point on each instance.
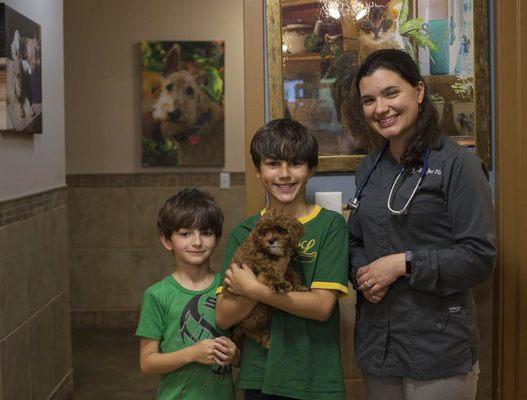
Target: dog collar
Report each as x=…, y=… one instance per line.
x=192, y=134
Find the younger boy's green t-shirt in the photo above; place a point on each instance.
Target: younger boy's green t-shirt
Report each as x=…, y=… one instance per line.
x=303, y=360
x=178, y=317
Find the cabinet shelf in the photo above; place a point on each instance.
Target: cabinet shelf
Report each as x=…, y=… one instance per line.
x=305, y=57
x=295, y=3
x=442, y=85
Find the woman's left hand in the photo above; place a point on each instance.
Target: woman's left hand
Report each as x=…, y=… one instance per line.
x=381, y=273
x=240, y=280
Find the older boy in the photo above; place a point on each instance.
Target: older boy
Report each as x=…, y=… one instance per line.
x=303, y=359
x=179, y=338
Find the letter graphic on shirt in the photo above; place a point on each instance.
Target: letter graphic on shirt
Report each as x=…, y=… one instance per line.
x=305, y=255
x=193, y=327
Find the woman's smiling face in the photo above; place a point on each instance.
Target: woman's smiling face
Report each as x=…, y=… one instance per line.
x=390, y=104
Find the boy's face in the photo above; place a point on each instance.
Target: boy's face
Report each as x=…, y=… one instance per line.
x=284, y=181
x=191, y=247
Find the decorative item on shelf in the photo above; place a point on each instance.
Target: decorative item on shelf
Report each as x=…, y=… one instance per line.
x=294, y=37
x=313, y=113
x=324, y=39
x=464, y=59
x=20, y=73
x=439, y=103
x=440, y=31
x=463, y=117
x=441, y=34
x=463, y=87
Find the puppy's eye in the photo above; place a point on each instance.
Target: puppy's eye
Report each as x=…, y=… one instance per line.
x=190, y=91
x=169, y=87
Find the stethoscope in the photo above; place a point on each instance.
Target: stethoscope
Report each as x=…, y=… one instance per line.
x=353, y=204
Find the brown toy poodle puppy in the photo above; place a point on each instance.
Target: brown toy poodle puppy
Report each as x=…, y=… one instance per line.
x=275, y=237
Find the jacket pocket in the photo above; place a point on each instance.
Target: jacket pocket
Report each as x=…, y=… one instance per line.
x=441, y=340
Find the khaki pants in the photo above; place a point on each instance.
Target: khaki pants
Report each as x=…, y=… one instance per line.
x=459, y=387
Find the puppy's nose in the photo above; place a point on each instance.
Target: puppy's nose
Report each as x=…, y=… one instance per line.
x=174, y=115
x=271, y=241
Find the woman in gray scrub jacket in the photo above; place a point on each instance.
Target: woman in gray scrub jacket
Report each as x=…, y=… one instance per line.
x=422, y=235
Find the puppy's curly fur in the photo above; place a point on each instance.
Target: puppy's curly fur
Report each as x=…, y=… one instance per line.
x=275, y=236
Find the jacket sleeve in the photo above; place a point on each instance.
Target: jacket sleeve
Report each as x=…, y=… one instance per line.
x=357, y=256
x=471, y=258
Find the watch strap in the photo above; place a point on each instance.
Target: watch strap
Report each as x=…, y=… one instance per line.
x=408, y=261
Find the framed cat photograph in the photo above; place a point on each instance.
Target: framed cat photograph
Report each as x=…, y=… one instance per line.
x=314, y=49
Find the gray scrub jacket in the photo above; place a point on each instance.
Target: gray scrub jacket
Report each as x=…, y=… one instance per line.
x=426, y=326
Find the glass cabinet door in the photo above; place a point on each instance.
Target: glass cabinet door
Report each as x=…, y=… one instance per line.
x=314, y=48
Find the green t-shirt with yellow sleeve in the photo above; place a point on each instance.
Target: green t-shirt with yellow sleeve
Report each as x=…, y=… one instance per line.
x=303, y=360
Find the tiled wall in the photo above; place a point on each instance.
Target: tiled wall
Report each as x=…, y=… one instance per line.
x=35, y=339
x=115, y=248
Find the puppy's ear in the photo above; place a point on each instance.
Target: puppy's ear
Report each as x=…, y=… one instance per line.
x=173, y=59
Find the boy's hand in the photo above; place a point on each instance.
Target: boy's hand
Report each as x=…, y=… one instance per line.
x=225, y=350
x=204, y=352
x=240, y=280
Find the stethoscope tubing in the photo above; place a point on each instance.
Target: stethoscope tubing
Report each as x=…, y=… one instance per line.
x=353, y=204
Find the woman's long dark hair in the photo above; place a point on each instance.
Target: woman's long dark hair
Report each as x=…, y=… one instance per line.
x=427, y=131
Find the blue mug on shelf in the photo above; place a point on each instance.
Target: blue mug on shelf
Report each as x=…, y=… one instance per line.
x=439, y=31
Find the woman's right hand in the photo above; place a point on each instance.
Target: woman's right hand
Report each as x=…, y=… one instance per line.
x=374, y=297
x=381, y=273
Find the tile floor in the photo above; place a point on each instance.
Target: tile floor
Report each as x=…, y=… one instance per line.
x=106, y=367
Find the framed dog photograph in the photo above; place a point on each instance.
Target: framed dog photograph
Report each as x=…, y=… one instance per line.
x=20, y=73
x=182, y=103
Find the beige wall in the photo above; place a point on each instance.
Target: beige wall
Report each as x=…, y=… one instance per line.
x=102, y=68
x=33, y=163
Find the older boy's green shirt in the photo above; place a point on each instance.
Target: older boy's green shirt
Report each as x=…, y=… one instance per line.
x=178, y=317
x=303, y=360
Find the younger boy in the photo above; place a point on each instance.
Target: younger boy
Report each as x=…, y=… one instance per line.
x=303, y=359
x=179, y=338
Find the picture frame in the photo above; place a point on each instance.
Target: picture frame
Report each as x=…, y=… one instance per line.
x=183, y=103
x=20, y=73
x=307, y=41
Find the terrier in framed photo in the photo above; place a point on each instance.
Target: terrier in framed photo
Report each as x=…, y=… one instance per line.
x=182, y=103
